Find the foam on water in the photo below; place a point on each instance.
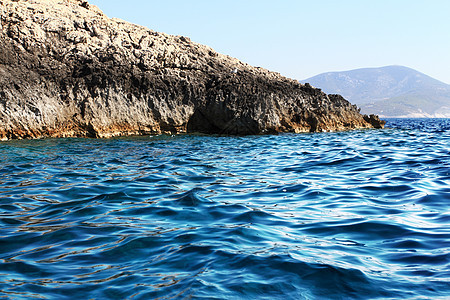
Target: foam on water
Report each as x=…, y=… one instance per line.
x=360, y=214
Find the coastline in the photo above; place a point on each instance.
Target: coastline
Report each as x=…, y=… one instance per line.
x=69, y=70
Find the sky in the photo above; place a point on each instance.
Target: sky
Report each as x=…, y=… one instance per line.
x=301, y=39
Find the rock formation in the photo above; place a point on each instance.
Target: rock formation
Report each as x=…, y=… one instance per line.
x=66, y=69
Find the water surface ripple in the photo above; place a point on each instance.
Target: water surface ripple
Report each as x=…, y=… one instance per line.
x=351, y=215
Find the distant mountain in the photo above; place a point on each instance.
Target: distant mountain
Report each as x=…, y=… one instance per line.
x=392, y=91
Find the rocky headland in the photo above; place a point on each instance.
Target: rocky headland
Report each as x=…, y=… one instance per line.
x=66, y=69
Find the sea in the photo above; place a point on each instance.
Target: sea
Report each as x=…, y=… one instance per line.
x=361, y=214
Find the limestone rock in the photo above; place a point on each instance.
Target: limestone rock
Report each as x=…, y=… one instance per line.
x=66, y=69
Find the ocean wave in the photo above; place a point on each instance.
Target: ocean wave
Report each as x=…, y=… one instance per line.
x=348, y=215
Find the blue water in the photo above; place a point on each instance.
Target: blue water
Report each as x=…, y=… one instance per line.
x=351, y=215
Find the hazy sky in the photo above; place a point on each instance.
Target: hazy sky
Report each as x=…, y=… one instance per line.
x=301, y=39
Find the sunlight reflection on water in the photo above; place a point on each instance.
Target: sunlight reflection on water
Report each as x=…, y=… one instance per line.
x=333, y=215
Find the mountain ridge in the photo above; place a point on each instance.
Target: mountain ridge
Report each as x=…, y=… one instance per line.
x=390, y=91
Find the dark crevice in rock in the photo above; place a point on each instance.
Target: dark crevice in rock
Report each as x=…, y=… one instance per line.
x=90, y=131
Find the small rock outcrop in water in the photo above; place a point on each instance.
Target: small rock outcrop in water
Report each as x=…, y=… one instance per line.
x=68, y=70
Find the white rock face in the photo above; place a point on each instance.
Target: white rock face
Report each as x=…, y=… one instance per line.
x=66, y=69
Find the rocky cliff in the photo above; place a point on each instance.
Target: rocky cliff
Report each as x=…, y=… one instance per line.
x=66, y=69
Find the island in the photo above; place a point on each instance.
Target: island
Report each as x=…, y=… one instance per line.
x=67, y=70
